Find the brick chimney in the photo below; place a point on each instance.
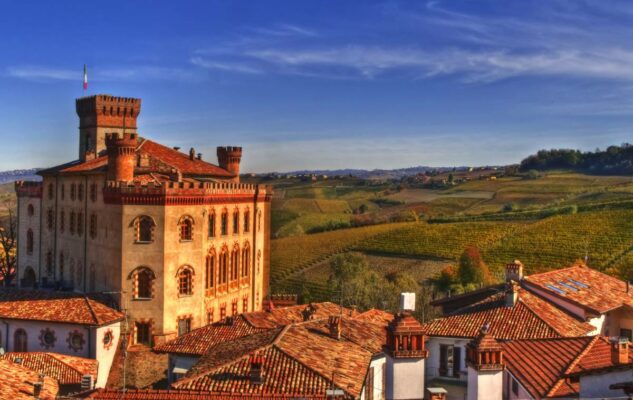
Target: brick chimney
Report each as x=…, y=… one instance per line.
x=484, y=358
x=121, y=156
x=257, y=369
x=334, y=326
x=514, y=271
x=308, y=312
x=619, y=350
x=435, y=393
x=512, y=294
x=192, y=154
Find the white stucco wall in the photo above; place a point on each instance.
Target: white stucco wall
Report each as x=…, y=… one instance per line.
x=378, y=364
x=33, y=330
x=405, y=378
x=484, y=385
x=104, y=355
x=597, y=386
x=433, y=360
x=507, y=388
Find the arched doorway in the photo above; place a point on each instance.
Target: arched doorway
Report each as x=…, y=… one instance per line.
x=29, y=278
x=19, y=341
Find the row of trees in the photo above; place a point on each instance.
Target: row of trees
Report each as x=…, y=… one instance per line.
x=612, y=160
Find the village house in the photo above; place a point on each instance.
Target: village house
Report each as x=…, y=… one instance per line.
x=66, y=326
x=179, y=241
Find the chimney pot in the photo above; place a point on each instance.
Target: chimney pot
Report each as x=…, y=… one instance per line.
x=620, y=350
x=514, y=271
x=192, y=153
x=199, y=156
x=512, y=294
x=334, y=326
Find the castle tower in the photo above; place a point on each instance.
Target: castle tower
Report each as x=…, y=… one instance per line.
x=121, y=156
x=229, y=158
x=484, y=357
x=100, y=114
x=406, y=353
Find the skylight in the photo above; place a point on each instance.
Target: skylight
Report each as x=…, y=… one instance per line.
x=557, y=290
x=579, y=284
x=568, y=286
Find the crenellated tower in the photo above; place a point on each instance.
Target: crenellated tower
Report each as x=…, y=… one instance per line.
x=229, y=158
x=121, y=151
x=101, y=114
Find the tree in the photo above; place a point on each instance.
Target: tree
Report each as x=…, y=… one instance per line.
x=8, y=243
x=472, y=268
x=446, y=278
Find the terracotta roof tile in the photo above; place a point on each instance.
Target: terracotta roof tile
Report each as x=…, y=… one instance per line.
x=597, y=357
x=540, y=365
x=584, y=286
x=181, y=161
x=375, y=315
x=299, y=358
x=65, y=307
x=199, y=341
x=16, y=382
x=66, y=370
x=176, y=394
x=532, y=317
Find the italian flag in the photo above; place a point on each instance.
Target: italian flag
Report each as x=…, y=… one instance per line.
x=85, y=77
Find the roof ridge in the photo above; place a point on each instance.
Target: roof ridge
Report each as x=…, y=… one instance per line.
x=52, y=355
x=92, y=311
x=576, y=360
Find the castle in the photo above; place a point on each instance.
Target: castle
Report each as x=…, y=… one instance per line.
x=178, y=241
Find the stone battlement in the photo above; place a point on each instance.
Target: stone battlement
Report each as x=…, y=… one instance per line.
x=28, y=188
x=106, y=110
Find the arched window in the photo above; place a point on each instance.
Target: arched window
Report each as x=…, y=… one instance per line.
x=61, y=266
x=235, y=260
x=144, y=229
x=142, y=280
x=93, y=192
x=246, y=260
x=30, y=210
x=211, y=224
x=49, y=219
x=29, y=241
x=223, y=266
x=185, y=281
x=49, y=262
x=247, y=221
x=186, y=228
x=209, y=281
x=93, y=225
x=71, y=224
x=236, y=221
x=19, y=341
x=224, y=223
x=80, y=223
x=259, y=221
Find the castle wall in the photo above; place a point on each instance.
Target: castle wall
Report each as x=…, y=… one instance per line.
x=28, y=259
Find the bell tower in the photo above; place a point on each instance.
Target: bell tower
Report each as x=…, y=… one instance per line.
x=101, y=114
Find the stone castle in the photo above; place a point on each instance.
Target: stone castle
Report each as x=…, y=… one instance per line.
x=178, y=241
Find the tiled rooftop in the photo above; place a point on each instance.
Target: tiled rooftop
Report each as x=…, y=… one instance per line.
x=198, y=341
x=16, y=382
x=162, y=154
x=175, y=394
x=544, y=366
x=584, y=286
x=66, y=370
x=298, y=358
x=50, y=306
x=532, y=317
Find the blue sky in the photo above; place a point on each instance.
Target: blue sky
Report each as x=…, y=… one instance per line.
x=324, y=84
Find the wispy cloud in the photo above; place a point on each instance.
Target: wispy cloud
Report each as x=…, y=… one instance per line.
x=42, y=73
x=285, y=30
x=226, y=66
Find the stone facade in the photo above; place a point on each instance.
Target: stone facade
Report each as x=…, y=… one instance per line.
x=147, y=224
